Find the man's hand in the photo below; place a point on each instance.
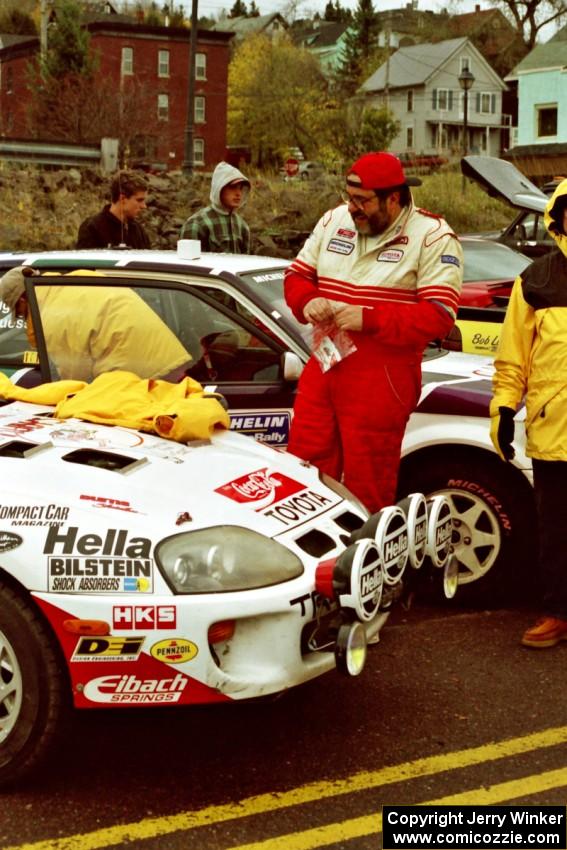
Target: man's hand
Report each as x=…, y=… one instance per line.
x=502, y=433
x=349, y=317
x=318, y=310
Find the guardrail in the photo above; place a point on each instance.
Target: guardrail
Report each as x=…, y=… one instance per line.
x=62, y=154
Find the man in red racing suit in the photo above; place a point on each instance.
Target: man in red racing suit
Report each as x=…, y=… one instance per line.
x=390, y=275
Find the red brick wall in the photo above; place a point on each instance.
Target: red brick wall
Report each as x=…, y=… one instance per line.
x=141, y=89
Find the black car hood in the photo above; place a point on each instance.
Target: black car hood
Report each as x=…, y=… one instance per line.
x=502, y=180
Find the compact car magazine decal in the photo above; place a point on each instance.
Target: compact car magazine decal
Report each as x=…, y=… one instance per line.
x=93, y=563
x=270, y=427
x=31, y=515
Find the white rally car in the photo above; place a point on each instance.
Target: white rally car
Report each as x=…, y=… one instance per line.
x=138, y=571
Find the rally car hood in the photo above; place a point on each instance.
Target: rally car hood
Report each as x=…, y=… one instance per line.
x=501, y=179
x=121, y=477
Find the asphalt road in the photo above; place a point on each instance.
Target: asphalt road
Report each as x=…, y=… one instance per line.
x=450, y=708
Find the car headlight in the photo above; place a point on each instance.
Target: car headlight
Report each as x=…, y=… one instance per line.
x=343, y=492
x=224, y=559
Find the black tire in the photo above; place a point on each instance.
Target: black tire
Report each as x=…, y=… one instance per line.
x=34, y=692
x=495, y=537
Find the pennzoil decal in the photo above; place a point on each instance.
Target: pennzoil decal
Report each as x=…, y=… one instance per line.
x=34, y=514
x=108, y=648
x=339, y=246
x=9, y=541
x=91, y=563
x=267, y=427
x=174, y=650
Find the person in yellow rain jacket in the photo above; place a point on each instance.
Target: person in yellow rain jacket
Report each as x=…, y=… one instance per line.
x=94, y=329
x=531, y=366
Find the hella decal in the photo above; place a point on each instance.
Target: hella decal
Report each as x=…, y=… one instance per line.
x=108, y=649
x=174, y=651
x=9, y=541
x=144, y=616
x=116, y=563
x=392, y=255
x=131, y=690
x=339, y=246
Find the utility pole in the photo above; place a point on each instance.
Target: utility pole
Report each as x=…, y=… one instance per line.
x=187, y=166
x=387, y=81
x=44, y=16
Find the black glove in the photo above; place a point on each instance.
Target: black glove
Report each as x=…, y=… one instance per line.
x=502, y=432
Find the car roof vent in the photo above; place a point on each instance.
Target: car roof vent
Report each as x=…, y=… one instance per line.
x=105, y=460
x=21, y=449
x=316, y=543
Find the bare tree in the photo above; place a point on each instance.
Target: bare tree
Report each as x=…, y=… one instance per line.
x=530, y=16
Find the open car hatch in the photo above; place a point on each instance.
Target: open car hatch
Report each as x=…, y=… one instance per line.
x=502, y=180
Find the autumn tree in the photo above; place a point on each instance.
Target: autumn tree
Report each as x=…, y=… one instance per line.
x=277, y=99
x=17, y=22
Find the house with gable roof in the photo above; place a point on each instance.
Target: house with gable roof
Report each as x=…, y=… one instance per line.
x=242, y=27
x=325, y=39
x=420, y=85
x=541, y=149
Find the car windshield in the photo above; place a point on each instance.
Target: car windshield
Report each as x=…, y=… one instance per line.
x=272, y=292
x=490, y=261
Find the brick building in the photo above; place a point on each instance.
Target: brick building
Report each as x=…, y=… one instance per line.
x=145, y=69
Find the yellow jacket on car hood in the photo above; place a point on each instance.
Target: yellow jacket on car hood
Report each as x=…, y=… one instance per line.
x=531, y=362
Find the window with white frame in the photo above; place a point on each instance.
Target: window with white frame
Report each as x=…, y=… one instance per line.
x=200, y=66
x=442, y=100
x=410, y=100
x=163, y=63
x=163, y=107
x=199, y=109
x=546, y=120
x=465, y=64
x=485, y=103
x=127, y=63
x=409, y=137
x=198, y=151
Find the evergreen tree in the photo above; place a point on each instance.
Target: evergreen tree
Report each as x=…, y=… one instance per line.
x=17, y=22
x=69, y=44
x=254, y=10
x=330, y=12
x=360, y=41
x=239, y=10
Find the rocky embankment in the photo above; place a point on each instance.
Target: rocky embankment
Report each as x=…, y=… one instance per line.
x=41, y=209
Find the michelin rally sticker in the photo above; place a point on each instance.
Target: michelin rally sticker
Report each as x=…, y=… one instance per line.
x=339, y=246
x=271, y=428
x=91, y=563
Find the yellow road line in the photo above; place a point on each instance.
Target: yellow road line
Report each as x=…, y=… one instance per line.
x=323, y=836
x=154, y=827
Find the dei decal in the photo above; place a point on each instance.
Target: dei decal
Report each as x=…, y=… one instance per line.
x=91, y=563
x=271, y=428
x=108, y=648
x=276, y=496
x=130, y=690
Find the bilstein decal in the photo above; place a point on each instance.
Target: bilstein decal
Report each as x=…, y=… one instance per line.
x=174, y=650
x=91, y=563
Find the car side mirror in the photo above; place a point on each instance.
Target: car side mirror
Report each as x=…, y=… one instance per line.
x=292, y=367
x=520, y=233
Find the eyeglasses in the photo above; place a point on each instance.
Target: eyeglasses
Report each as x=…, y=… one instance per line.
x=359, y=202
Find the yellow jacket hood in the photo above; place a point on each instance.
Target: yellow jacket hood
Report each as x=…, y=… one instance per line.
x=553, y=216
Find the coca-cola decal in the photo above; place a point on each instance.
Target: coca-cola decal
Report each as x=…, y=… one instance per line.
x=260, y=488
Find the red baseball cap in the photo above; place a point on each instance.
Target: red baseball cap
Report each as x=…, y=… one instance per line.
x=379, y=170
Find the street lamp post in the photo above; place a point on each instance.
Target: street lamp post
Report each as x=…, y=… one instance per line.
x=466, y=80
x=187, y=166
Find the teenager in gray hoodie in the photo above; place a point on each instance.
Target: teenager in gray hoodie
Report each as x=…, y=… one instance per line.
x=219, y=226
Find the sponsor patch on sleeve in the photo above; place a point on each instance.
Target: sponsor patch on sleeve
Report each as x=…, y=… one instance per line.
x=339, y=246
x=449, y=258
